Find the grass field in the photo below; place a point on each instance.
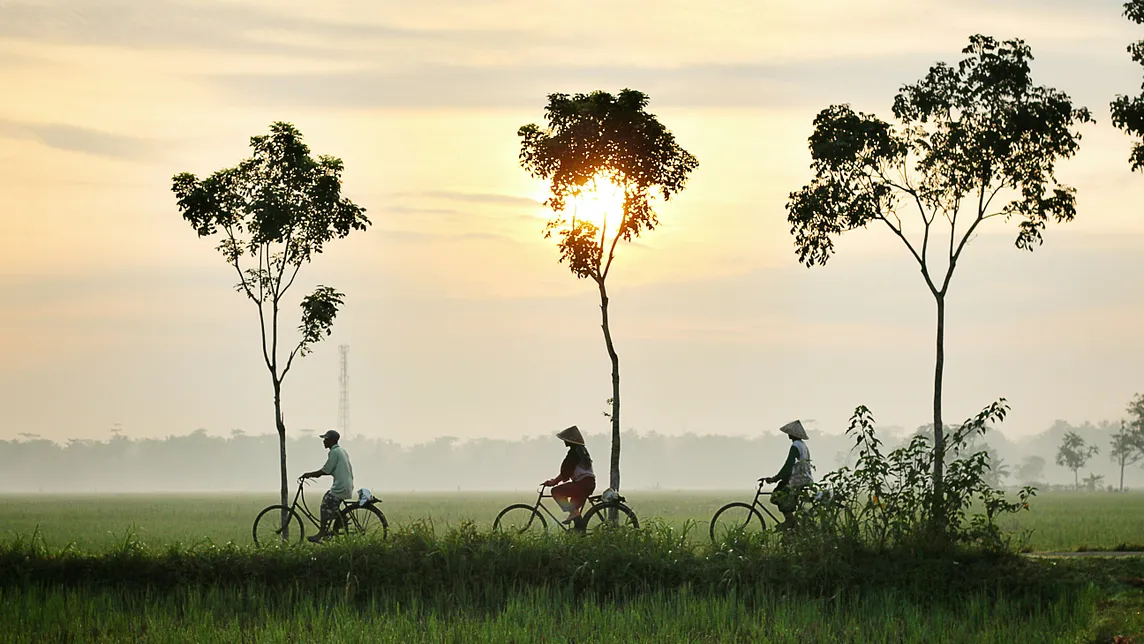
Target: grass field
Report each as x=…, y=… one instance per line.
x=155, y=568
x=546, y=616
x=1058, y=521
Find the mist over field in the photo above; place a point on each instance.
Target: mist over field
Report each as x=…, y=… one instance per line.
x=200, y=462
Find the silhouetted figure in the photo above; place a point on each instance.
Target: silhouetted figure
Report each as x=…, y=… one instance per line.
x=338, y=466
x=577, y=470
x=794, y=475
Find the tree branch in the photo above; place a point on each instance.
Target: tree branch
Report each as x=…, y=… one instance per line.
x=250, y=294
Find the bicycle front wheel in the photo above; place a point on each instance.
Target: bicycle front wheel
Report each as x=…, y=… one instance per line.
x=278, y=525
x=364, y=521
x=520, y=519
x=599, y=517
x=736, y=519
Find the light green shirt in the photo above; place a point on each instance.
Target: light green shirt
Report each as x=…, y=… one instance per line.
x=338, y=464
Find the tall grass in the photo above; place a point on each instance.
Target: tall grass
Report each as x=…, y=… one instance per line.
x=549, y=614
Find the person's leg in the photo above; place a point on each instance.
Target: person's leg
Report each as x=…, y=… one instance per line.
x=783, y=496
x=563, y=494
x=584, y=489
x=330, y=506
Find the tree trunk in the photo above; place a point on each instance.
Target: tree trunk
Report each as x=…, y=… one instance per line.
x=938, y=427
x=1076, y=478
x=1122, y=475
x=280, y=425
x=614, y=478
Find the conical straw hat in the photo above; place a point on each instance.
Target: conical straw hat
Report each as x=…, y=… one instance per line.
x=794, y=429
x=572, y=435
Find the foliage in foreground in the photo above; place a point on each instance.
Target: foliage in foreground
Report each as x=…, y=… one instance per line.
x=491, y=567
x=544, y=615
x=886, y=500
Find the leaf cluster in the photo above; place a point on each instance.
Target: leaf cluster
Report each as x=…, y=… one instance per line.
x=963, y=134
x=279, y=195
x=1074, y=452
x=1128, y=112
x=597, y=137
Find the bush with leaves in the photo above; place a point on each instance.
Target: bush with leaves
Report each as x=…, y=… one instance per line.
x=883, y=501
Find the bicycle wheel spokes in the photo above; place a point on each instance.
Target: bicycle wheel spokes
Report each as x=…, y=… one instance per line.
x=520, y=519
x=734, y=520
x=364, y=521
x=277, y=525
x=610, y=516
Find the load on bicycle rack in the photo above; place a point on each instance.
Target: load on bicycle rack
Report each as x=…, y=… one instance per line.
x=282, y=524
x=520, y=518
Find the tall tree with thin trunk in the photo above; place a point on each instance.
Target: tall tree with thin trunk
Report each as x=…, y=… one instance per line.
x=973, y=142
x=1128, y=112
x=1127, y=448
x=595, y=143
x=1073, y=453
x=272, y=213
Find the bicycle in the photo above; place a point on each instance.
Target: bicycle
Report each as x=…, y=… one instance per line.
x=520, y=518
x=736, y=517
x=354, y=519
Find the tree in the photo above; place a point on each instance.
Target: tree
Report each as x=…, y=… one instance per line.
x=973, y=142
x=1127, y=448
x=592, y=142
x=1074, y=453
x=273, y=212
x=1092, y=481
x=1031, y=470
x=1136, y=413
x=1128, y=113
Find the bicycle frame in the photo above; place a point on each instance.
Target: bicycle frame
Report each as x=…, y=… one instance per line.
x=760, y=505
x=540, y=496
x=316, y=520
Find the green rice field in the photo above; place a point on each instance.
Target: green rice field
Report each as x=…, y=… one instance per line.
x=181, y=568
x=1058, y=521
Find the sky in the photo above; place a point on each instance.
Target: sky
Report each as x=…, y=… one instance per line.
x=459, y=319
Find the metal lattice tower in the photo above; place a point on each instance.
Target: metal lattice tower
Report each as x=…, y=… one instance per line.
x=344, y=392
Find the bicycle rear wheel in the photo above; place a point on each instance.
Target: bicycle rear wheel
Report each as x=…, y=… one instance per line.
x=271, y=530
x=736, y=519
x=363, y=521
x=598, y=517
x=520, y=519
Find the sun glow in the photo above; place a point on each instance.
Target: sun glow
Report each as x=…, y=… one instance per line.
x=600, y=202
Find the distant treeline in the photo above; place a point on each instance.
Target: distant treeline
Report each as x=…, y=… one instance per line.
x=201, y=462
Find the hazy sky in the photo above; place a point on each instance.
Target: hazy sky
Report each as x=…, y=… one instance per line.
x=459, y=318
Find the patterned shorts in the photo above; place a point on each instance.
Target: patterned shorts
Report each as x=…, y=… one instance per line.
x=330, y=506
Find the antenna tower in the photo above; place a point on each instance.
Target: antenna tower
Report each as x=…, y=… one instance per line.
x=344, y=392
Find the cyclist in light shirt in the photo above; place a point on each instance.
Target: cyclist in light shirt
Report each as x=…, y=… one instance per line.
x=338, y=466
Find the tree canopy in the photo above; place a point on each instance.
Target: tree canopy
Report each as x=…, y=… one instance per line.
x=1128, y=112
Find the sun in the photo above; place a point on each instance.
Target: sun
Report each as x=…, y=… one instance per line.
x=600, y=202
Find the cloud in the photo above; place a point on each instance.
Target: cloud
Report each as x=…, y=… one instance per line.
x=470, y=197
x=440, y=86
x=175, y=24
x=79, y=139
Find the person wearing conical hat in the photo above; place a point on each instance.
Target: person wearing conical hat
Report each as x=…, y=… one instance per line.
x=794, y=475
x=576, y=469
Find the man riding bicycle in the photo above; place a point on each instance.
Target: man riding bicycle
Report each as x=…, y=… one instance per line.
x=338, y=466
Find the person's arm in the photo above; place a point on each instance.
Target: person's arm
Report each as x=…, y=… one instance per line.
x=322, y=472
x=788, y=467
x=566, y=469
